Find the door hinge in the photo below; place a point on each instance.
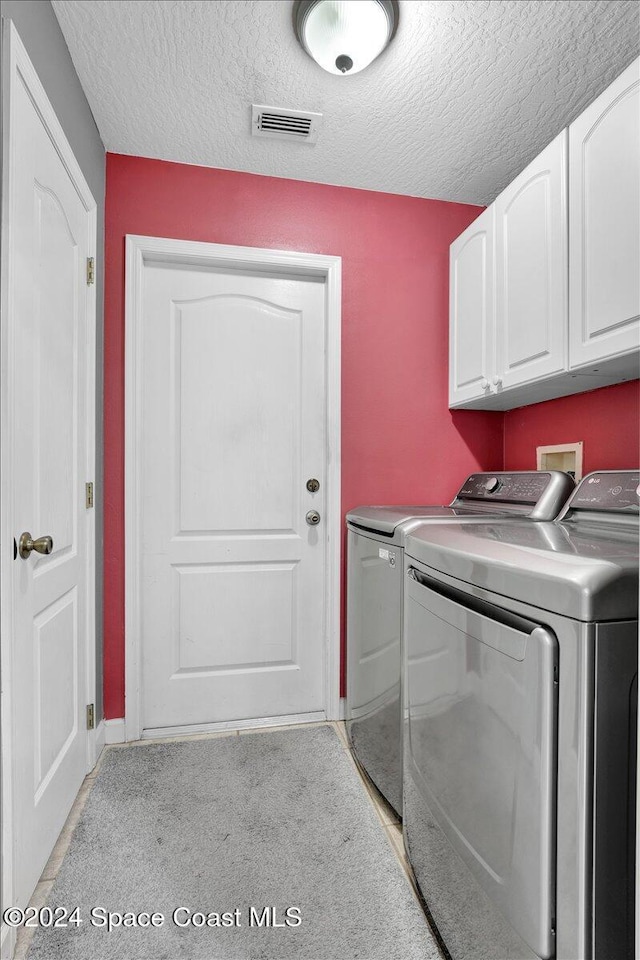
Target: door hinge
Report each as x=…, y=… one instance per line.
x=91, y=716
x=88, y=495
x=91, y=271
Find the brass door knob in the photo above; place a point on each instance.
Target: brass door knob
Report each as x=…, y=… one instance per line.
x=27, y=544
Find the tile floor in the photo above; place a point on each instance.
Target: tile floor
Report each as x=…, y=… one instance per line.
x=388, y=819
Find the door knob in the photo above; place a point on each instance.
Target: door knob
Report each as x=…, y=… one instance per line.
x=313, y=518
x=27, y=544
x=313, y=485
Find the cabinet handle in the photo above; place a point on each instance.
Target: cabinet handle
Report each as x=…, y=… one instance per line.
x=497, y=381
x=484, y=383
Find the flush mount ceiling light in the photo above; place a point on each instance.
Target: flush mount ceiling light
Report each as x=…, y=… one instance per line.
x=345, y=36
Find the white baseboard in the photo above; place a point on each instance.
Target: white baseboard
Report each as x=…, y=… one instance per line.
x=114, y=731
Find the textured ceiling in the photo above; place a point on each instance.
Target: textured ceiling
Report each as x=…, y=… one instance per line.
x=466, y=95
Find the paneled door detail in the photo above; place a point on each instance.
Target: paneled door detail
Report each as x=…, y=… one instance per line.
x=471, y=306
x=531, y=270
x=232, y=565
x=47, y=436
x=604, y=205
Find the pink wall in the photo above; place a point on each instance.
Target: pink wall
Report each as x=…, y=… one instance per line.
x=399, y=440
x=606, y=420
x=400, y=443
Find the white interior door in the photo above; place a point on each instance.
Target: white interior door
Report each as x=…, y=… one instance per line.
x=232, y=368
x=47, y=437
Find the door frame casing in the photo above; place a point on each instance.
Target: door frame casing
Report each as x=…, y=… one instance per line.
x=18, y=68
x=141, y=250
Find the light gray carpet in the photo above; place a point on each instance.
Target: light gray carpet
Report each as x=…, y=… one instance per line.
x=267, y=819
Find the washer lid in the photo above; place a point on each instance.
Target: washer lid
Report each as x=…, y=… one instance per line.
x=584, y=573
x=539, y=495
x=385, y=519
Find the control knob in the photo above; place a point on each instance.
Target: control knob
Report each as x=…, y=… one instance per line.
x=492, y=485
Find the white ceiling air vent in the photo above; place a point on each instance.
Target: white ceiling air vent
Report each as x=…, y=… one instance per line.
x=278, y=124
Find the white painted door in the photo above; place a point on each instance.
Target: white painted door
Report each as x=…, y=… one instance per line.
x=531, y=270
x=604, y=205
x=471, y=300
x=233, y=427
x=46, y=441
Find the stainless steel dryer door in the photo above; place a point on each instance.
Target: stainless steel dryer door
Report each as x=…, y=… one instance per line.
x=480, y=770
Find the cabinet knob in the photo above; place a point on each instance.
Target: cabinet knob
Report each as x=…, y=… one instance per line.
x=497, y=381
x=484, y=383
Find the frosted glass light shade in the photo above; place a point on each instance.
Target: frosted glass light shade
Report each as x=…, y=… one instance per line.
x=345, y=36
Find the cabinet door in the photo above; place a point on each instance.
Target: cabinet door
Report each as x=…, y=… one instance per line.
x=471, y=311
x=604, y=211
x=531, y=271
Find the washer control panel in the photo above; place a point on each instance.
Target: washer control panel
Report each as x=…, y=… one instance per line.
x=617, y=490
x=525, y=487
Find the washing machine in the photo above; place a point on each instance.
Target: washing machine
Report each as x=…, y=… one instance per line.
x=374, y=602
x=521, y=659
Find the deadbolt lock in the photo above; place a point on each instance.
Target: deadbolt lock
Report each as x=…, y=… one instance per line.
x=313, y=485
x=313, y=518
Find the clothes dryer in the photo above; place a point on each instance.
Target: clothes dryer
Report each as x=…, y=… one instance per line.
x=374, y=602
x=521, y=657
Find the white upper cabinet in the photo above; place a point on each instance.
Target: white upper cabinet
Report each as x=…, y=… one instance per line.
x=604, y=221
x=545, y=284
x=471, y=334
x=531, y=271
